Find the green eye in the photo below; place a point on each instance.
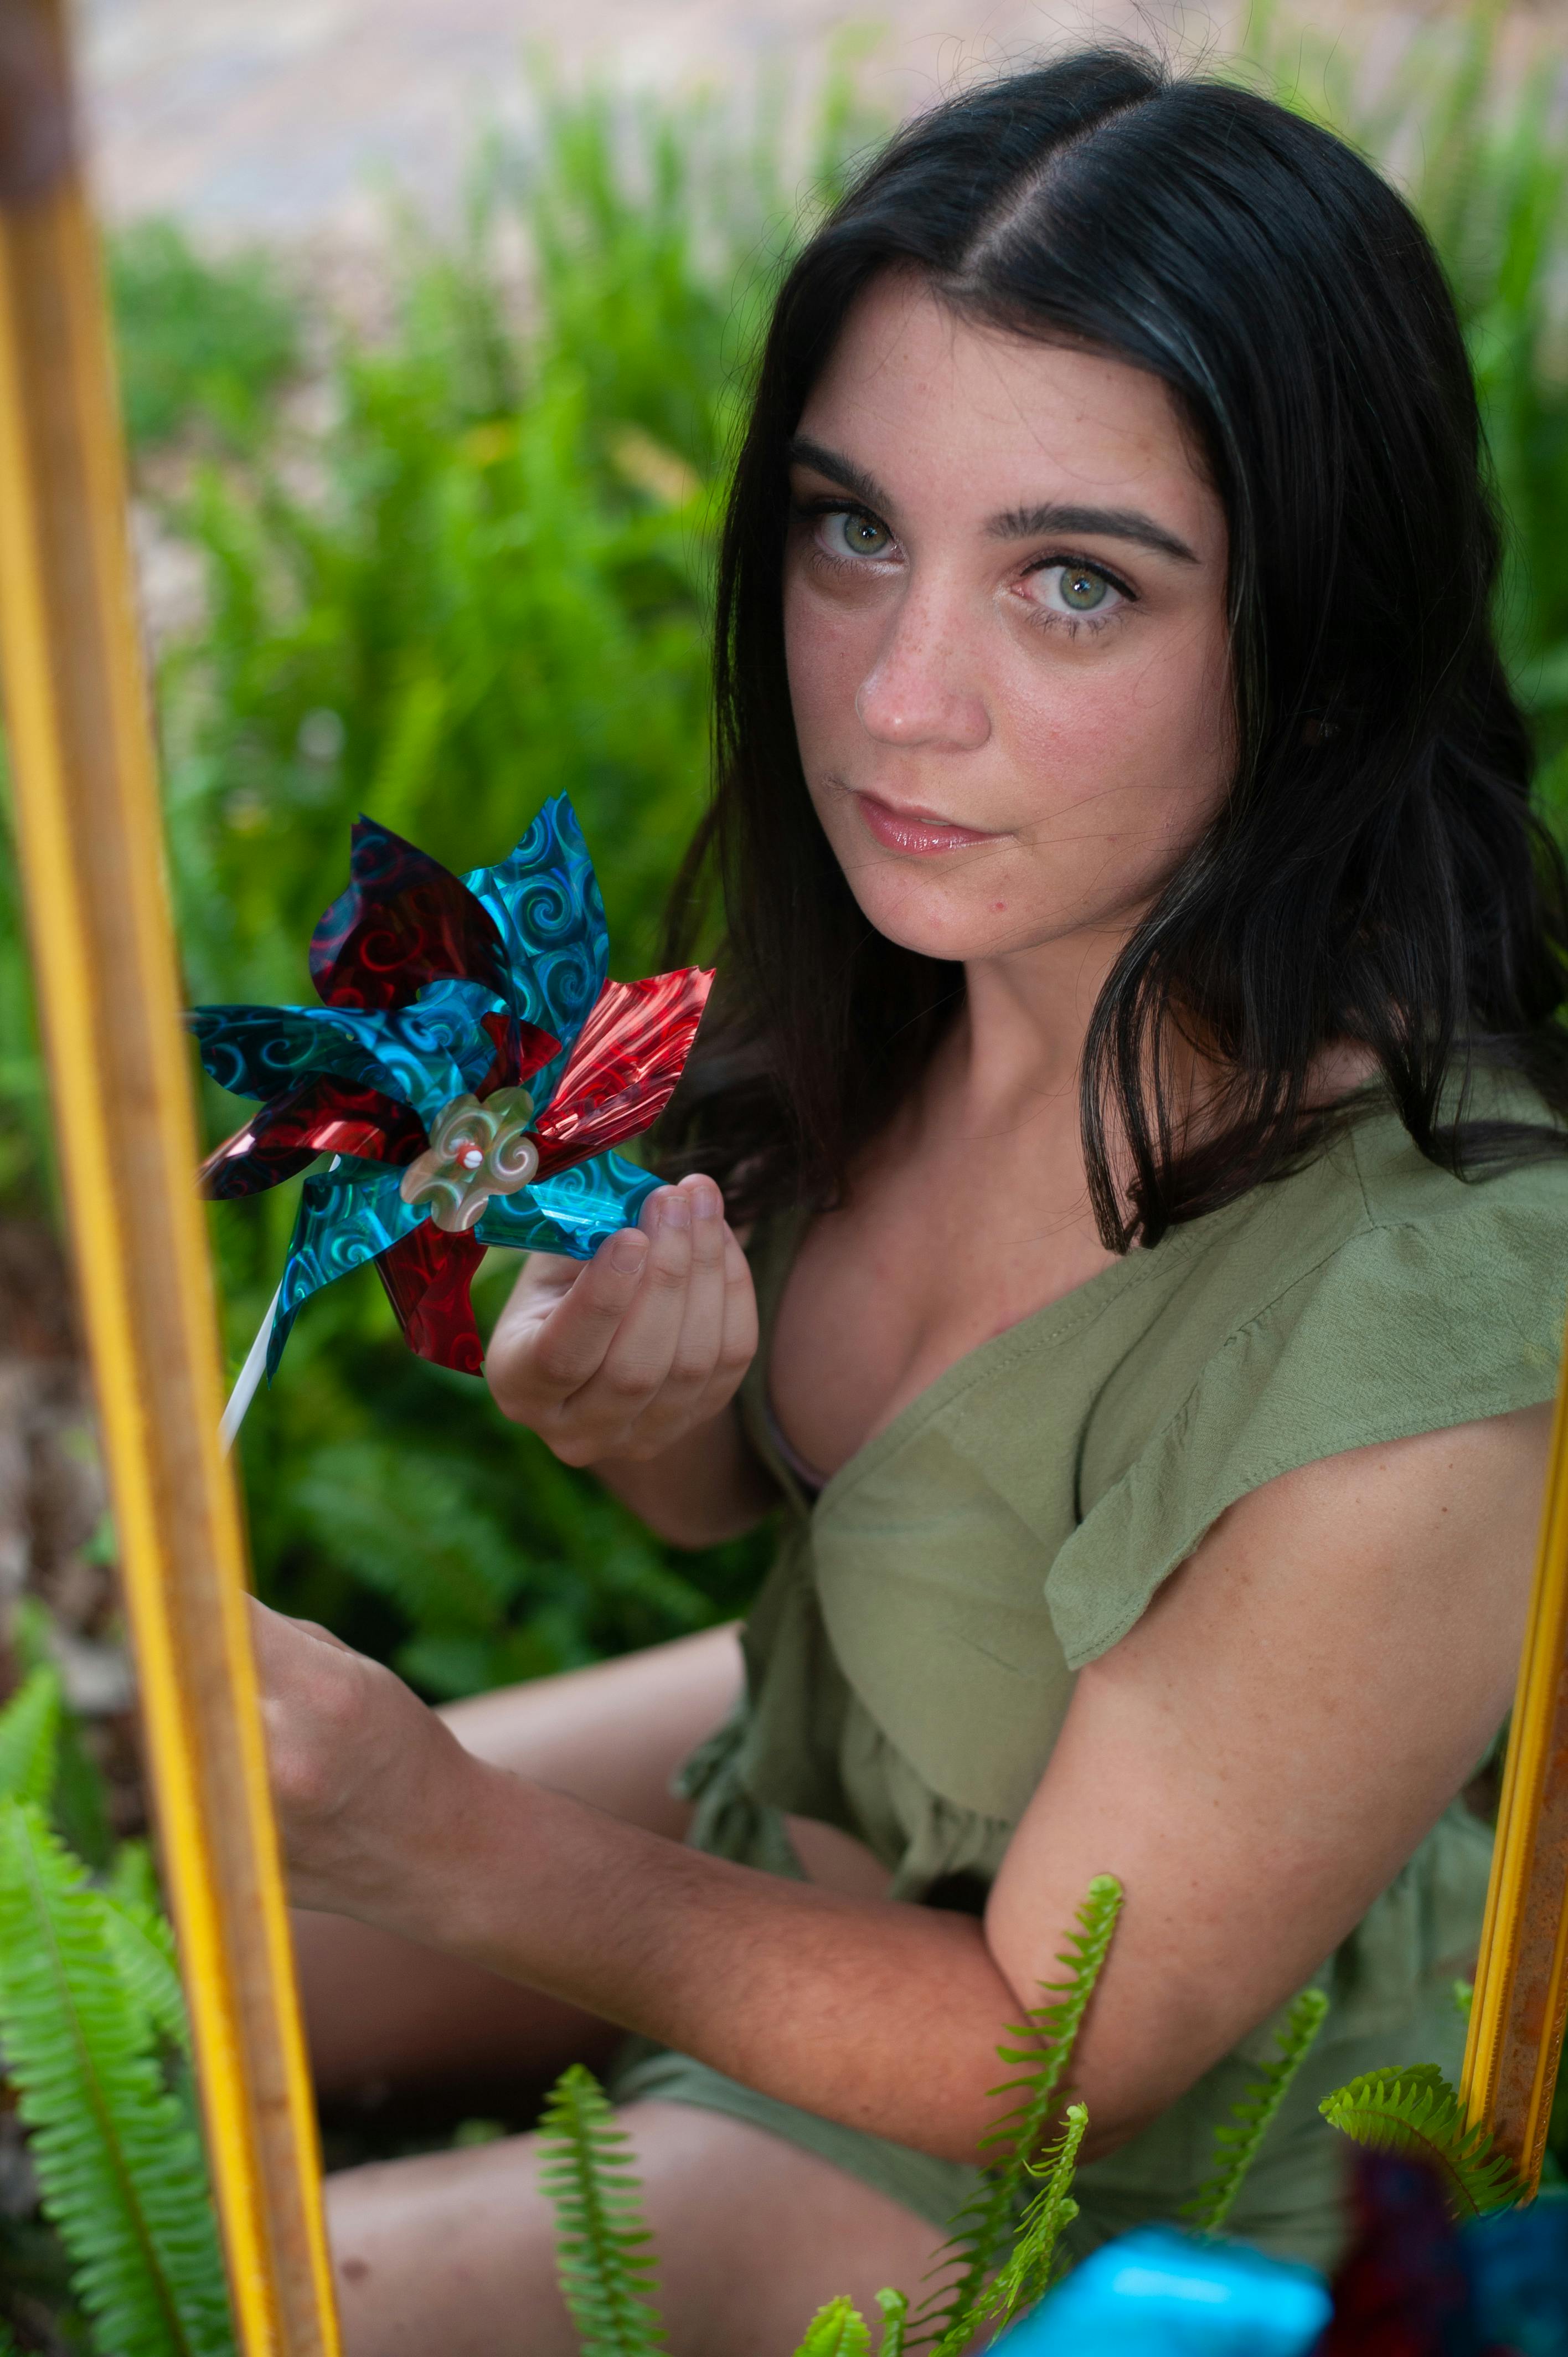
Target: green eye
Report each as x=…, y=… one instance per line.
x=1083, y=589
x=863, y=535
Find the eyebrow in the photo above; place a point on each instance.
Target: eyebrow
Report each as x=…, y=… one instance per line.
x=1016, y=523
x=1108, y=523
x=837, y=469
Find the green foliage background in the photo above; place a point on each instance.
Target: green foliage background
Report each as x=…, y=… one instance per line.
x=460, y=559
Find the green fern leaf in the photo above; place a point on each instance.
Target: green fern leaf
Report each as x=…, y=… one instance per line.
x=29, y=1737
x=1463, y=1998
x=1415, y=2111
x=894, y=2306
x=982, y=2230
x=1237, y=2143
x=1031, y=2265
x=132, y=1880
x=141, y=1944
x=120, y=2172
x=601, y=2247
x=837, y=2330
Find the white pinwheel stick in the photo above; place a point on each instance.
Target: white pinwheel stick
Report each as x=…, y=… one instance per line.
x=248, y=1381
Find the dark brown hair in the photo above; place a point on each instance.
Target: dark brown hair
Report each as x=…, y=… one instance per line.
x=1374, y=874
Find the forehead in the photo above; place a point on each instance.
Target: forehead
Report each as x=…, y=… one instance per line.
x=935, y=404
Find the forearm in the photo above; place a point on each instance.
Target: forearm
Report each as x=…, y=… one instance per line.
x=706, y=1488
x=884, y=2016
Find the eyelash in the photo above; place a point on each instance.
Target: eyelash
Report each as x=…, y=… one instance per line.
x=812, y=511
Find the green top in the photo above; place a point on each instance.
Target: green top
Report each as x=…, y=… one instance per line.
x=912, y=1656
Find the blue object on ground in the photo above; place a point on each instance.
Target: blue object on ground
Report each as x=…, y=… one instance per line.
x=1157, y=2293
x=1517, y=2261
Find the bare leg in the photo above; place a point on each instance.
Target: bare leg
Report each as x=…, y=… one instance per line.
x=383, y=2015
x=455, y=2250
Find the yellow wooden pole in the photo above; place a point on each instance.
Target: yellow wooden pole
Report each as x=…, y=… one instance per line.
x=1522, y=1979
x=89, y=838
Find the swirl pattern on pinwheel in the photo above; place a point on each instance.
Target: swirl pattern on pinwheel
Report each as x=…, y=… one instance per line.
x=442, y=992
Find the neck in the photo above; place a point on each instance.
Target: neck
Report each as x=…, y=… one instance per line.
x=1025, y=1015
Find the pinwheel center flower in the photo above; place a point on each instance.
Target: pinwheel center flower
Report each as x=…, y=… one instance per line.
x=476, y=1151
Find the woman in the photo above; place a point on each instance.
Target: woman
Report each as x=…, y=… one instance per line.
x=1141, y=1078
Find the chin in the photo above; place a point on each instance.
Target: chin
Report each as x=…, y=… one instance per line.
x=935, y=920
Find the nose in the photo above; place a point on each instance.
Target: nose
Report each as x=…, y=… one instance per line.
x=923, y=689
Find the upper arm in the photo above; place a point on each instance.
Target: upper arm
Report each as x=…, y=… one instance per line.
x=1259, y=1756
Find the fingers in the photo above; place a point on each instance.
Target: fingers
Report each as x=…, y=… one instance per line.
x=702, y=1324
x=668, y=1338
x=738, y=1336
x=639, y=1359
x=575, y=1337
x=651, y=1338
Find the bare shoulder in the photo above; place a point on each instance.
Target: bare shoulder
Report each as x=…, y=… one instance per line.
x=1259, y=1755
x=1421, y=1546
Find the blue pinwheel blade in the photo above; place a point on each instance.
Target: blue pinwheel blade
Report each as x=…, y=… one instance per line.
x=347, y=1216
x=546, y=903
x=1158, y=2293
x=573, y=1212
x=423, y=1055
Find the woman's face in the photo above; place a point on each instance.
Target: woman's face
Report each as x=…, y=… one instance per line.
x=1004, y=620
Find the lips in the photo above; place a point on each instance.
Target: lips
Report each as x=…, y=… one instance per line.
x=918, y=833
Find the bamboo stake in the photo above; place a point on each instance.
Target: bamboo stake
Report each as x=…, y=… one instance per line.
x=88, y=831
x=1522, y=1979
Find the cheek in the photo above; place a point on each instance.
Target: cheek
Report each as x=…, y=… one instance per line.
x=827, y=653
x=1146, y=741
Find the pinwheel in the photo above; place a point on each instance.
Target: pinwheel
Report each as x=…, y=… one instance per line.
x=469, y=1071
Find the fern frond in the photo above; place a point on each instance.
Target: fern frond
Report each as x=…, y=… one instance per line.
x=141, y=1944
x=894, y=2306
x=601, y=2247
x=1236, y=2142
x=1416, y=2112
x=1047, y=2037
x=1055, y=2025
x=1031, y=2265
x=131, y=1880
x=837, y=2330
x=120, y=2174
x=30, y=1737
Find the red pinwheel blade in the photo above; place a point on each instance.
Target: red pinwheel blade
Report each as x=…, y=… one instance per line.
x=403, y=922
x=324, y=1115
x=623, y=1067
x=521, y=1050
x=427, y=1274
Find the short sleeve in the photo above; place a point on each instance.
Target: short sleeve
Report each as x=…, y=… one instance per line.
x=1405, y=1327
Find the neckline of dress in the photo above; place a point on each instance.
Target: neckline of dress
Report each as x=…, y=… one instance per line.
x=1029, y=1329
x=1069, y=1307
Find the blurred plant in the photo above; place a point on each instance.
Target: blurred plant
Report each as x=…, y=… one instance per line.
x=94, y=2031
x=1237, y=2141
x=1414, y=2111
x=601, y=2242
x=486, y=582
x=1482, y=152
x=204, y=343
x=1041, y=2049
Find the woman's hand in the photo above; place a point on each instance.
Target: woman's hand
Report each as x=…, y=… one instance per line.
x=624, y=1356
x=367, y=1781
